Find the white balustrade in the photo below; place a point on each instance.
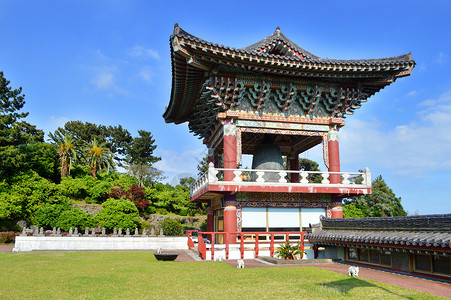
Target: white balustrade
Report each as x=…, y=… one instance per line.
x=255, y=177
x=260, y=175
x=282, y=175
x=304, y=176
x=237, y=176
x=325, y=178
x=345, y=178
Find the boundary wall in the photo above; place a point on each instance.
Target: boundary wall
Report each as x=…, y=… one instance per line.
x=59, y=243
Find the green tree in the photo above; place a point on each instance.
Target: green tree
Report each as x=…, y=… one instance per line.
x=115, y=138
x=382, y=202
x=99, y=157
x=141, y=158
x=202, y=166
x=14, y=131
x=66, y=152
x=310, y=165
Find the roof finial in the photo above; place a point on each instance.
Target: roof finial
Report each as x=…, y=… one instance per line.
x=278, y=30
x=176, y=28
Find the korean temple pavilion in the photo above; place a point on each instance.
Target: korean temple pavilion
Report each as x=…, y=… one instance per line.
x=272, y=100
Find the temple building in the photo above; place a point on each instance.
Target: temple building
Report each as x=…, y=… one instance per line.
x=272, y=100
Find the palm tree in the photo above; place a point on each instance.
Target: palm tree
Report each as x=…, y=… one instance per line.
x=99, y=156
x=66, y=152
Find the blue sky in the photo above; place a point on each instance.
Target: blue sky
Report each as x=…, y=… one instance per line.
x=108, y=62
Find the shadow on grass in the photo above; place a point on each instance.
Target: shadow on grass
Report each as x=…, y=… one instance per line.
x=345, y=285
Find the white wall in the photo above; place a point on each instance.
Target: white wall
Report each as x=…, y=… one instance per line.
x=48, y=243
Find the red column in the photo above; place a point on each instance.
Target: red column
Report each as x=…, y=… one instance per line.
x=334, y=157
x=230, y=223
x=210, y=221
x=337, y=211
x=230, y=161
x=294, y=166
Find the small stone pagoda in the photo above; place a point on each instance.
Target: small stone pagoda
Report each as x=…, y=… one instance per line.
x=272, y=100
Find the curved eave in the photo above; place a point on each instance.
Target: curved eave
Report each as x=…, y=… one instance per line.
x=311, y=61
x=186, y=83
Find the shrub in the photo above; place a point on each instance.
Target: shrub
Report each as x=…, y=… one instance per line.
x=48, y=215
x=203, y=225
x=118, y=213
x=162, y=211
x=75, y=217
x=172, y=227
x=134, y=194
x=7, y=237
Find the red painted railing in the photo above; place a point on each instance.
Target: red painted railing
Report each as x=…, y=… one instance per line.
x=245, y=239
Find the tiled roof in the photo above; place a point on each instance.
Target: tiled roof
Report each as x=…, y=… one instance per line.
x=274, y=60
x=278, y=36
x=419, y=231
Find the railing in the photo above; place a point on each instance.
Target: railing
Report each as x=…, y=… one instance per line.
x=253, y=241
x=281, y=177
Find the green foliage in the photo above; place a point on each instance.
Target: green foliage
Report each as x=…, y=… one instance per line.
x=382, y=202
x=204, y=225
x=172, y=227
x=99, y=157
x=310, y=165
x=202, y=166
x=92, y=190
x=42, y=158
x=48, y=215
x=289, y=251
x=30, y=191
x=352, y=211
x=13, y=131
x=118, y=213
x=74, y=217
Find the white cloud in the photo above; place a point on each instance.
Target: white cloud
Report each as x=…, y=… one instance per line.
x=411, y=149
x=146, y=74
x=412, y=93
x=179, y=164
x=441, y=58
x=104, y=77
x=141, y=52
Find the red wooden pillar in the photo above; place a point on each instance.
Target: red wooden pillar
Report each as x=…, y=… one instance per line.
x=210, y=221
x=230, y=223
x=337, y=209
x=230, y=161
x=294, y=166
x=334, y=157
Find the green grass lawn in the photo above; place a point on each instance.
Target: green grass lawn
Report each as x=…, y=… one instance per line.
x=137, y=275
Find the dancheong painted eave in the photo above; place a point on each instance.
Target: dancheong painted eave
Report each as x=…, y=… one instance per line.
x=195, y=60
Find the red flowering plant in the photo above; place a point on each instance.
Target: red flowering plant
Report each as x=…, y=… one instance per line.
x=135, y=194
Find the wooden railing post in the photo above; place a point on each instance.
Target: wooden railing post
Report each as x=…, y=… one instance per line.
x=190, y=240
x=256, y=245
x=301, y=245
x=212, y=249
x=242, y=245
x=226, y=239
x=201, y=247
x=271, y=246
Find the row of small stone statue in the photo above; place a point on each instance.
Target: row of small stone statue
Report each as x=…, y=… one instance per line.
x=57, y=232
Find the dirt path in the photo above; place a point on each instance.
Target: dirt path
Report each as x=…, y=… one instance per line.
x=6, y=247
